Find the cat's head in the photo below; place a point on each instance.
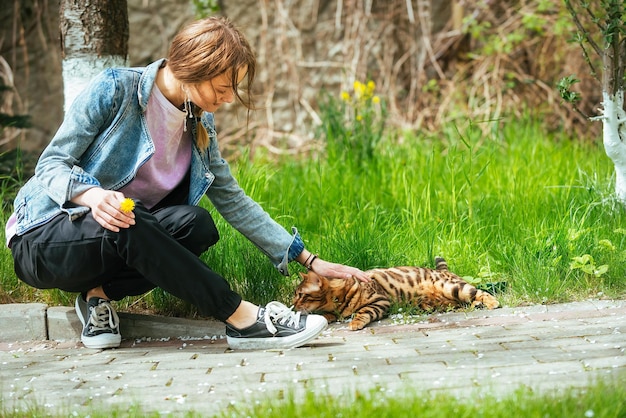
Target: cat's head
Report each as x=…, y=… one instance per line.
x=313, y=295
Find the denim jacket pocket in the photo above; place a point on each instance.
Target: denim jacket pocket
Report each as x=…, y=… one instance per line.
x=30, y=204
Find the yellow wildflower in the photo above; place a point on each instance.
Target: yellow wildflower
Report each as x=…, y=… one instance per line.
x=359, y=117
x=127, y=205
x=375, y=99
x=364, y=91
x=359, y=89
x=345, y=96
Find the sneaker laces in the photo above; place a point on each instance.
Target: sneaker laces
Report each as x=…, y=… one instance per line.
x=276, y=312
x=103, y=316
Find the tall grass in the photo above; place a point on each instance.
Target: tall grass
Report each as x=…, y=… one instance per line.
x=517, y=205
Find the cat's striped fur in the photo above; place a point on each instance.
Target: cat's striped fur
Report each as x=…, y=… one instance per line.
x=369, y=301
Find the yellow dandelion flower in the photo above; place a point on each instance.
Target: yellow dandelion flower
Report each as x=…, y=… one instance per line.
x=345, y=96
x=359, y=89
x=127, y=205
x=359, y=117
x=371, y=86
x=375, y=99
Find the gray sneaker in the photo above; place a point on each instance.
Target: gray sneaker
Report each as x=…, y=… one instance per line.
x=277, y=327
x=101, y=328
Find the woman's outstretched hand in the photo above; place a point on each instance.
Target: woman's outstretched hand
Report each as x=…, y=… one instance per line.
x=340, y=271
x=328, y=269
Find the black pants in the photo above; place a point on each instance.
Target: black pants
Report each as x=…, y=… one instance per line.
x=161, y=250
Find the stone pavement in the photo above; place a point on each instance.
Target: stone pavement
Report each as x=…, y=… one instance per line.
x=543, y=347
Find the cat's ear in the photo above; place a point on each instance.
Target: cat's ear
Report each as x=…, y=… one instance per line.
x=315, y=278
x=299, y=280
x=304, y=277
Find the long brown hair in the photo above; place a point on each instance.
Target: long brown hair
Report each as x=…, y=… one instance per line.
x=208, y=48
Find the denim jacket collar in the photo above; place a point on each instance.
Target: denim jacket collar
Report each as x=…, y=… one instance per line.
x=146, y=82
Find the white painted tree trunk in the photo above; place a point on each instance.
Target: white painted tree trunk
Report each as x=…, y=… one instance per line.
x=77, y=71
x=94, y=36
x=614, y=138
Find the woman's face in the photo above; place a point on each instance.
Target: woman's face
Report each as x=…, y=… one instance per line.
x=210, y=95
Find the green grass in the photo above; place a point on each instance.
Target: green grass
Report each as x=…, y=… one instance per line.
x=513, y=205
x=600, y=399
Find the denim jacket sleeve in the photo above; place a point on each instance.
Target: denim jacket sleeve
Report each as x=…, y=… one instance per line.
x=246, y=215
x=101, y=142
x=58, y=169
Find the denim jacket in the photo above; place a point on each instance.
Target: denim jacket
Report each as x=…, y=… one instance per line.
x=103, y=141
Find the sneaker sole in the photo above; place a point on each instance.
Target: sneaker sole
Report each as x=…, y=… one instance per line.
x=278, y=343
x=102, y=341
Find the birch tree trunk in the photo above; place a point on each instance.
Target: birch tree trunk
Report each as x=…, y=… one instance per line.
x=613, y=114
x=608, y=41
x=614, y=135
x=94, y=36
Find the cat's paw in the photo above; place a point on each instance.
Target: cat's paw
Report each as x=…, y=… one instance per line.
x=356, y=325
x=330, y=317
x=485, y=300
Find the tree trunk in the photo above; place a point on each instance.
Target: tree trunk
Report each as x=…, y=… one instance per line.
x=614, y=133
x=613, y=114
x=94, y=36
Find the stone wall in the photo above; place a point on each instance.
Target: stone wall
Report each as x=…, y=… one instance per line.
x=29, y=42
x=303, y=47
x=31, y=46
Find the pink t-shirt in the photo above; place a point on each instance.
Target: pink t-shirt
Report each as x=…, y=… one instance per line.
x=10, y=228
x=172, y=157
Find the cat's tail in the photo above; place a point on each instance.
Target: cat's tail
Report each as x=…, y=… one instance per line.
x=440, y=264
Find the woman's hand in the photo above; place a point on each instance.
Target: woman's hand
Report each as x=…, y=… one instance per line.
x=328, y=269
x=340, y=271
x=105, y=208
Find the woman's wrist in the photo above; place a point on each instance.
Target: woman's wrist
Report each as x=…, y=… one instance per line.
x=306, y=258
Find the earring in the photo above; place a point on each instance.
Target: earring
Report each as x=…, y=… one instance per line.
x=186, y=107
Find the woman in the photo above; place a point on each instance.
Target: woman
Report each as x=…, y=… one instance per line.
x=148, y=134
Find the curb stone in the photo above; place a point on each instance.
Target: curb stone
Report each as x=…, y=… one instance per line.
x=23, y=322
x=39, y=322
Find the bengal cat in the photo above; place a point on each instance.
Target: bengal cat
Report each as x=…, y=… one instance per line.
x=423, y=287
